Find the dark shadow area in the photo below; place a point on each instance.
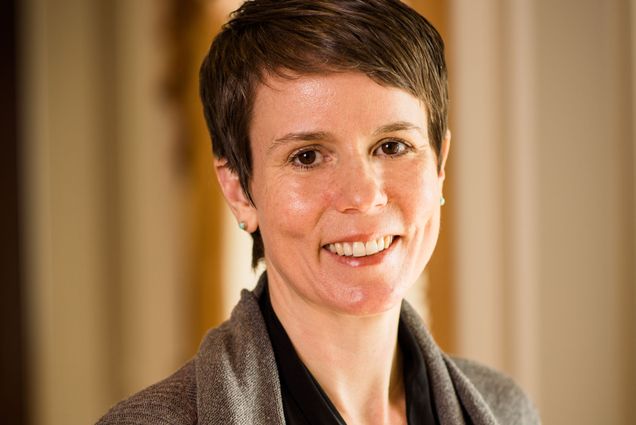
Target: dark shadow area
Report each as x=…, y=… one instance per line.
x=12, y=342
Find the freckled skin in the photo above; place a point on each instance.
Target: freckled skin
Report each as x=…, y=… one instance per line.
x=353, y=188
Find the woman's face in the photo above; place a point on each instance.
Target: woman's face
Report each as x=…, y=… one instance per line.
x=346, y=190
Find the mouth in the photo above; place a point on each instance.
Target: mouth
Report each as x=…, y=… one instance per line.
x=361, y=248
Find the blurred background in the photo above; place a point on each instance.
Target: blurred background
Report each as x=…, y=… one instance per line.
x=118, y=252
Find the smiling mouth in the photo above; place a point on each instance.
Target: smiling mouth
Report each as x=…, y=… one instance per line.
x=360, y=249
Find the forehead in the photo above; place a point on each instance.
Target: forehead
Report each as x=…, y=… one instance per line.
x=333, y=102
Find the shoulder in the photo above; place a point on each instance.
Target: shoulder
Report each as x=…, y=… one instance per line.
x=172, y=401
x=507, y=401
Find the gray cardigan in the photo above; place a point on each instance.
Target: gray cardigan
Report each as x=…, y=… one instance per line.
x=233, y=379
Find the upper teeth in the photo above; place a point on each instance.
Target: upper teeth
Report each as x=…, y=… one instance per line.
x=360, y=249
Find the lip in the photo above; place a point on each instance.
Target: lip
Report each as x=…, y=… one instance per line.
x=362, y=261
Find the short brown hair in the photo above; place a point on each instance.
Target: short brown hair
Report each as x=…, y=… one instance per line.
x=384, y=39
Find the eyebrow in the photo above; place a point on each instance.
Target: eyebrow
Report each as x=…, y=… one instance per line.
x=398, y=126
x=314, y=136
x=303, y=135
x=306, y=136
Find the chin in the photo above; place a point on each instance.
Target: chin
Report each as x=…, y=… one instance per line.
x=371, y=300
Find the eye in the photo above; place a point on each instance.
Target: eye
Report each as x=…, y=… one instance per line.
x=307, y=158
x=391, y=147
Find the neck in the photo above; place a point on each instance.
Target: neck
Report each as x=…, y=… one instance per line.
x=355, y=359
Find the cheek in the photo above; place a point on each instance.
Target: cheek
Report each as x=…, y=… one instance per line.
x=293, y=206
x=427, y=192
x=429, y=199
x=428, y=214
x=420, y=198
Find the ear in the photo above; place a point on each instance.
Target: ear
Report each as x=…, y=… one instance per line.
x=443, y=156
x=238, y=202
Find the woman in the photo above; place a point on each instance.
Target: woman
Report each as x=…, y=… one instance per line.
x=329, y=128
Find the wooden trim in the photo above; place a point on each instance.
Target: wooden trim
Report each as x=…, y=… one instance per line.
x=441, y=290
x=194, y=25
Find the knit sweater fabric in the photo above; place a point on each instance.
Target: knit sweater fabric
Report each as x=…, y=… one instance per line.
x=233, y=379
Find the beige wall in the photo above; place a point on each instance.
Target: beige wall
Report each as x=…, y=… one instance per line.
x=544, y=151
x=104, y=244
x=585, y=174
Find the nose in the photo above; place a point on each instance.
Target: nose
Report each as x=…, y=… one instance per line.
x=359, y=188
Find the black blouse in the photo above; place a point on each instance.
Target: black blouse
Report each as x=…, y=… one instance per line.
x=305, y=402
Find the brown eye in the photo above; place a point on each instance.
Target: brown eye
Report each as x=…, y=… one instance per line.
x=307, y=158
x=391, y=148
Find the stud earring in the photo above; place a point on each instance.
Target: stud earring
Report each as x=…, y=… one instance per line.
x=242, y=225
x=442, y=201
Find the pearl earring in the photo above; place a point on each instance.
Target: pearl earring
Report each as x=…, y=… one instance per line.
x=442, y=201
x=242, y=225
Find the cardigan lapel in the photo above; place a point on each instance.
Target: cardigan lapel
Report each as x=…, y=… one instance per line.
x=451, y=389
x=471, y=399
x=237, y=378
